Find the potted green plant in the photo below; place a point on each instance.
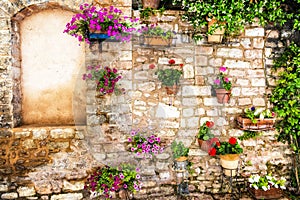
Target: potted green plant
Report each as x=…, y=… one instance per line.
x=100, y=23
x=229, y=153
x=106, y=79
x=154, y=35
x=256, y=119
x=204, y=135
x=222, y=86
x=105, y=179
x=266, y=186
x=151, y=3
x=180, y=152
x=169, y=77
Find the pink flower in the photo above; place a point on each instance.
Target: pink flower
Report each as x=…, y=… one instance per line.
x=223, y=69
x=226, y=80
x=151, y=66
x=217, y=81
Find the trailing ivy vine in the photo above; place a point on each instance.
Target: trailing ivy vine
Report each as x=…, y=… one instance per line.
x=286, y=100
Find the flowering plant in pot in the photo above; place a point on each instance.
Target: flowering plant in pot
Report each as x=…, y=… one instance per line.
x=257, y=119
x=204, y=135
x=108, y=20
x=229, y=154
x=266, y=186
x=106, y=79
x=180, y=152
x=222, y=86
x=156, y=35
x=105, y=180
x=147, y=146
x=169, y=77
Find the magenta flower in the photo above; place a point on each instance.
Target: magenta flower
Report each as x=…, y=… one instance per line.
x=217, y=81
x=226, y=80
x=222, y=69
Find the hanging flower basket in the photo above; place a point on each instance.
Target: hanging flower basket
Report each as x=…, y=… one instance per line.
x=272, y=193
x=260, y=125
x=223, y=96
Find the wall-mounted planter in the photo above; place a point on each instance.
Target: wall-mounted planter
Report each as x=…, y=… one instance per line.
x=218, y=34
x=272, y=193
x=157, y=41
x=260, y=125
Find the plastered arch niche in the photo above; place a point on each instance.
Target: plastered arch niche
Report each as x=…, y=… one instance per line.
x=50, y=64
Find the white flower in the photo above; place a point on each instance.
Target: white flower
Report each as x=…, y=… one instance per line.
x=261, y=116
x=269, y=177
x=256, y=178
x=255, y=186
x=283, y=187
x=264, y=188
x=258, y=111
x=276, y=186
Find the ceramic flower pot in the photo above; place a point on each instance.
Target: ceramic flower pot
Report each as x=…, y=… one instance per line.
x=150, y=4
x=230, y=163
x=260, y=125
x=157, y=41
x=223, y=96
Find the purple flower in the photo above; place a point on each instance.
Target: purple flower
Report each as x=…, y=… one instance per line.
x=252, y=108
x=129, y=140
x=124, y=186
x=121, y=176
x=138, y=176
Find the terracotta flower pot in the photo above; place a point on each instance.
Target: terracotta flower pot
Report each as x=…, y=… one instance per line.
x=230, y=163
x=157, y=41
x=172, y=89
x=204, y=145
x=223, y=96
x=150, y=4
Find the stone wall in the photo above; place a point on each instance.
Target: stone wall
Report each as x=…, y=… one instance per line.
x=53, y=162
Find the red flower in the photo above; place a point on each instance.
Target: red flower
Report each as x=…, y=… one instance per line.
x=212, y=152
x=151, y=66
x=172, y=61
x=209, y=124
x=232, y=141
x=218, y=144
x=181, y=65
x=213, y=140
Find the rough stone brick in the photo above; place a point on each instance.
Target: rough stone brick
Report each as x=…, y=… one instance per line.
x=69, y=186
x=201, y=60
x=258, y=82
x=215, y=62
x=29, y=144
x=11, y=195
x=187, y=112
x=204, y=70
x=188, y=71
x=205, y=50
x=246, y=43
x=236, y=91
x=145, y=87
x=255, y=32
x=212, y=113
x=273, y=34
x=191, y=101
x=196, y=91
x=183, y=51
x=258, y=43
x=69, y=196
x=210, y=101
x=230, y=52
x=256, y=73
x=62, y=133
x=242, y=82
x=39, y=134
x=199, y=80
x=26, y=191
x=192, y=122
x=165, y=111
x=3, y=188
x=259, y=102
x=252, y=54
x=237, y=73
x=237, y=64
x=250, y=91
x=23, y=134
x=141, y=59
x=244, y=101
x=200, y=111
